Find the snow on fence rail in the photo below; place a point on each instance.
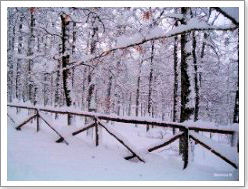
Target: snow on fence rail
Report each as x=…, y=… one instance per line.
x=129, y=119
x=97, y=117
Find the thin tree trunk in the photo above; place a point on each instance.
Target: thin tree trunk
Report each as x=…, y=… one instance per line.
x=202, y=55
x=73, y=50
x=90, y=92
x=31, y=41
x=175, y=82
x=57, y=88
x=19, y=61
x=197, y=98
x=130, y=105
x=236, y=106
x=108, y=98
x=91, y=85
x=45, y=90
x=138, y=92
x=149, y=107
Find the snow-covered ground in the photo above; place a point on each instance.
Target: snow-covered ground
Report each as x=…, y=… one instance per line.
x=36, y=156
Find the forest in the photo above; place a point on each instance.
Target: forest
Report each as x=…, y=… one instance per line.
x=168, y=63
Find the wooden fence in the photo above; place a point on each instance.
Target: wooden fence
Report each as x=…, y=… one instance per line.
x=184, y=131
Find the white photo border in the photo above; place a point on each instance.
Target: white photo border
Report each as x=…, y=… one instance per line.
x=6, y=4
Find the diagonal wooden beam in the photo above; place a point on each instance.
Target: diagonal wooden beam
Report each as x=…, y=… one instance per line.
x=61, y=139
x=121, y=141
x=90, y=125
x=11, y=118
x=168, y=141
x=130, y=157
x=214, y=151
x=25, y=121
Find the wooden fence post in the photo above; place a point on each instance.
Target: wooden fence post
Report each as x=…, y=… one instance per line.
x=38, y=121
x=238, y=146
x=185, y=148
x=234, y=139
x=96, y=132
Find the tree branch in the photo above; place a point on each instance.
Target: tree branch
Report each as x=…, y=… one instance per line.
x=179, y=31
x=226, y=15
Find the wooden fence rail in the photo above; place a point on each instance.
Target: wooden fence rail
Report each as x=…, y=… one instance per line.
x=96, y=123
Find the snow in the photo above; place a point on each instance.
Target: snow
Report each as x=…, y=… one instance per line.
x=174, y=15
x=126, y=40
x=164, y=140
x=36, y=156
x=155, y=32
x=211, y=125
x=123, y=42
x=122, y=138
x=232, y=12
x=33, y=56
x=225, y=150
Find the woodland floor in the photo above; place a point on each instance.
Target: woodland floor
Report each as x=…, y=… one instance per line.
x=35, y=156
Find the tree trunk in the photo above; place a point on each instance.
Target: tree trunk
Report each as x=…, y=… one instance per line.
x=65, y=62
x=90, y=92
x=175, y=82
x=57, y=88
x=138, y=92
x=73, y=50
x=185, y=82
x=31, y=41
x=149, y=107
x=11, y=59
x=129, y=105
x=196, y=87
x=108, y=98
x=90, y=106
x=19, y=61
x=236, y=106
x=202, y=54
x=91, y=84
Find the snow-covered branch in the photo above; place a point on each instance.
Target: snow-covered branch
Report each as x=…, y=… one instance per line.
x=230, y=13
x=155, y=34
